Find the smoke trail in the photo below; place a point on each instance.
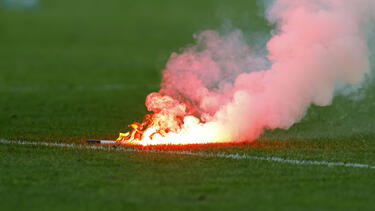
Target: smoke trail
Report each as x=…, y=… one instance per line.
x=230, y=93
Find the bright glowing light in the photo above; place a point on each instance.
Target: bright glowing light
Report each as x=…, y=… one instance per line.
x=191, y=132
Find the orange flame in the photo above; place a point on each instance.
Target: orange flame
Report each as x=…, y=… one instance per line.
x=159, y=130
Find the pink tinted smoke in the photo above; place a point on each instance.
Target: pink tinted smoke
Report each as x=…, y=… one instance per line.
x=316, y=44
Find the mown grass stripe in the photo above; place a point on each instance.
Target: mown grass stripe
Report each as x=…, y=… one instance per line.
x=199, y=154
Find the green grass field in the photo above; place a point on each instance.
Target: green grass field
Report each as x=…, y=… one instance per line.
x=71, y=70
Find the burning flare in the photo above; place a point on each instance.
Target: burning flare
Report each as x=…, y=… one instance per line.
x=221, y=90
x=191, y=132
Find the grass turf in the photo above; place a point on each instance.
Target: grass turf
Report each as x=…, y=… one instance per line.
x=71, y=70
x=61, y=179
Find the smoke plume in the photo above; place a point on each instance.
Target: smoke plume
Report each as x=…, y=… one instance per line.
x=226, y=92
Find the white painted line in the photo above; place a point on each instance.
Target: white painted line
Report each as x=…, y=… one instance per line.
x=199, y=154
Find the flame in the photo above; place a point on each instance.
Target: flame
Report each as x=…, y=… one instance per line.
x=152, y=131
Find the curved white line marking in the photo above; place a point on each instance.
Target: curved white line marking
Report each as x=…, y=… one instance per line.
x=199, y=154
